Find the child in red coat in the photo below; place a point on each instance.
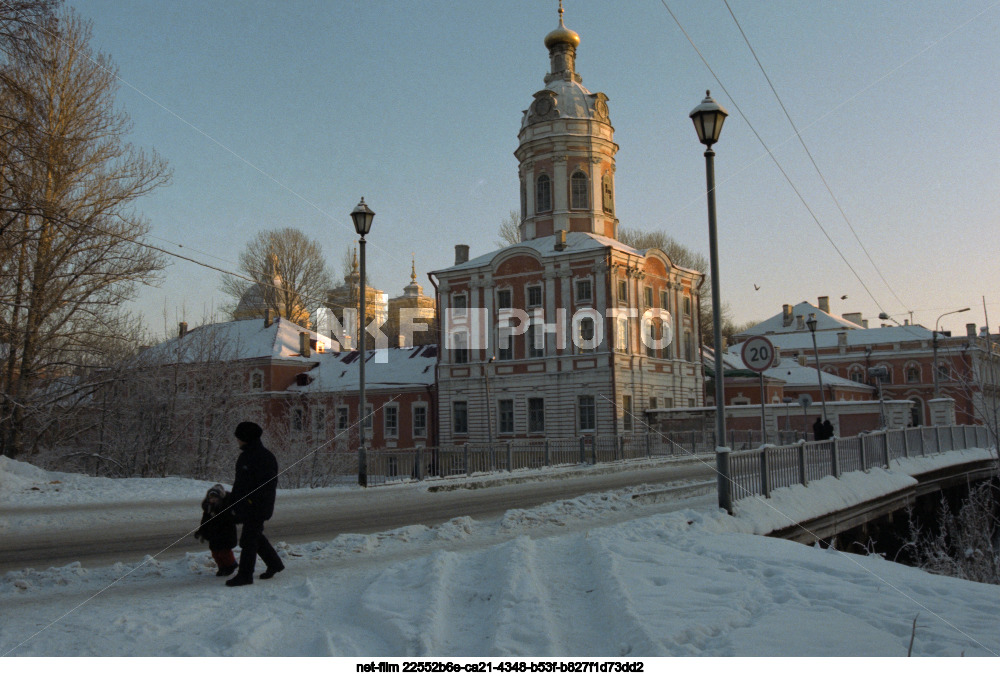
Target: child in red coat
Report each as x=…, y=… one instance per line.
x=218, y=529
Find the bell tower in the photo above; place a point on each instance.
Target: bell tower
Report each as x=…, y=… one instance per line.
x=566, y=154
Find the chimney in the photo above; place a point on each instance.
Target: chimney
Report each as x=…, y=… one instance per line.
x=800, y=322
x=268, y=318
x=304, y=348
x=864, y=323
x=970, y=330
x=461, y=253
x=561, y=240
x=842, y=339
x=853, y=317
x=823, y=303
x=786, y=315
x=182, y=329
x=802, y=359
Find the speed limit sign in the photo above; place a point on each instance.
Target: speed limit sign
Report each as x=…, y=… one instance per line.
x=758, y=353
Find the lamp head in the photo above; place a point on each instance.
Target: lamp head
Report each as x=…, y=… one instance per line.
x=362, y=217
x=708, y=117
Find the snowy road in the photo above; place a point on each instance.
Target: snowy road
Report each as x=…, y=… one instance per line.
x=99, y=534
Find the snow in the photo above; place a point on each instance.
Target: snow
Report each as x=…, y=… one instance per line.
x=390, y=368
x=599, y=575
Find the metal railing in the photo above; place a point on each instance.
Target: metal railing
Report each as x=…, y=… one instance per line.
x=755, y=470
x=760, y=471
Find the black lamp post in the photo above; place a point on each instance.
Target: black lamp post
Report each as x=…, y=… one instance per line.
x=937, y=391
x=811, y=323
x=708, y=118
x=362, y=217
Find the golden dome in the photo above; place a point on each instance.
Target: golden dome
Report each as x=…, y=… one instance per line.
x=562, y=34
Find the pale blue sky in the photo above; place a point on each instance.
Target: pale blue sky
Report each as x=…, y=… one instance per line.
x=277, y=114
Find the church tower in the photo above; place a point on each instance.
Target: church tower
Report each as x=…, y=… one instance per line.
x=566, y=154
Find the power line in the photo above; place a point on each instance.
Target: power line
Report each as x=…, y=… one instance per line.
x=798, y=135
x=773, y=158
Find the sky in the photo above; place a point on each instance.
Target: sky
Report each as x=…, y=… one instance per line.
x=286, y=114
x=598, y=575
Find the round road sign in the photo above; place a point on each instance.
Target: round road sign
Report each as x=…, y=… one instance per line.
x=758, y=353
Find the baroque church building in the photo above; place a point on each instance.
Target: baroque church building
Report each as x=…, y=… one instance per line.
x=568, y=332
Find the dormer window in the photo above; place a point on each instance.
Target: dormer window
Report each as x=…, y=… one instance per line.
x=579, y=194
x=543, y=195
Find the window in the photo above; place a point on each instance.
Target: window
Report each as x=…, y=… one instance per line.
x=944, y=373
x=627, y=412
x=524, y=198
x=543, y=194
x=419, y=420
x=534, y=296
x=390, y=418
x=622, y=292
x=578, y=191
x=608, y=190
x=503, y=299
x=857, y=375
x=505, y=415
x=460, y=302
x=319, y=422
x=621, y=333
x=584, y=292
x=460, y=349
x=505, y=346
x=664, y=300
x=655, y=330
x=913, y=374
x=536, y=341
x=647, y=293
x=343, y=421
x=257, y=380
x=687, y=305
x=536, y=415
x=586, y=413
x=460, y=417
x=652, y=402
x=688, y=346
x=586, y=334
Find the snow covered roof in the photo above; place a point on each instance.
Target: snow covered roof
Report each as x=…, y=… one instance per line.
x=824, y=322
x=576, y=242
x=802, y=340
x=242, y=339
x=384, y=369
x=790, y=371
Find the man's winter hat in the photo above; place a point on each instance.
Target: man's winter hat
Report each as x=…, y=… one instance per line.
x=248, y=431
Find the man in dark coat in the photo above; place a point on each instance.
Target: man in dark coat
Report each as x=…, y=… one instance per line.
x=827, y=430
x=252, y=503
x=818, y=430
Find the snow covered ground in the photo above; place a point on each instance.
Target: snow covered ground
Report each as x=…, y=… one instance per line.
x=600, y=575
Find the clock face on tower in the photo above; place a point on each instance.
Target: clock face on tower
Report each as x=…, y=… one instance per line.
x=543, y=106
x=601, y=108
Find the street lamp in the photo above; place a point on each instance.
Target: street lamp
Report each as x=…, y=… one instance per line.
x=708, y=118
x=937, y=391
x=811, y=323
x=362, y=217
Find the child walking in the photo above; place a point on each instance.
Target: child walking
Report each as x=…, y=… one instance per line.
x=218, y=529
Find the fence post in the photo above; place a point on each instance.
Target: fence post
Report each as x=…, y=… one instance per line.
x=923, y=441
x=593, y=450
x=864, y=455
x=694, y=449
x=937, y=435
x=765, y=484
x=465, y=457
x=620, y=448
x=725, y=479
x=885, y=449
x=583, y=455
x=835, y=457
x=510, y=457
x=649, y=445
x=906, y=442
x=802, y=463
x=548, y=456
x=420, y=463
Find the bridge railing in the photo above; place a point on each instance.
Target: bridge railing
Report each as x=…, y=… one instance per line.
x=760, y=471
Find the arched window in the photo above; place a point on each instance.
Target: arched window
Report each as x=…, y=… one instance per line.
x=579, y=195
x=608, y=188
x=524, y=199
x=543, y=196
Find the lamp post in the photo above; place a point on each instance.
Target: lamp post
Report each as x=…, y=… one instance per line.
x=362, y=217
x=934, y=342
x=811, y=323
x=708, y=117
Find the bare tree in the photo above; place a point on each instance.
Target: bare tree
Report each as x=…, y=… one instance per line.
x=289, y=276
x=75, y=246
x=510, y=229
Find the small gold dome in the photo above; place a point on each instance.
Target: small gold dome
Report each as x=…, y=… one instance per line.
x=562, y=34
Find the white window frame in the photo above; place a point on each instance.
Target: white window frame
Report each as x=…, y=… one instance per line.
x=532, y=427
x=592, y=405
x=501, y=430
x=419, y=432
x=390, y=414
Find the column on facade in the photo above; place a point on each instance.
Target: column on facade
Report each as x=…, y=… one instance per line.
x=560, y=196
x=529, y=182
